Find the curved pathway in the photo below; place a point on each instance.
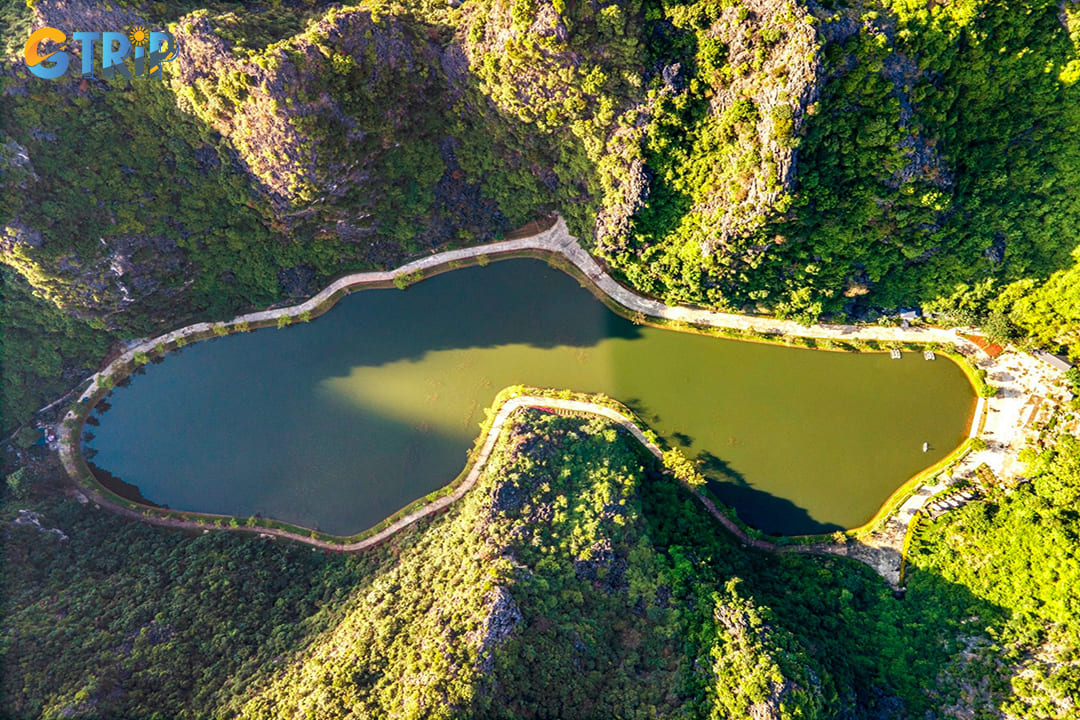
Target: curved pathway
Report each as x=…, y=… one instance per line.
x=557, y=240
x=508, y=408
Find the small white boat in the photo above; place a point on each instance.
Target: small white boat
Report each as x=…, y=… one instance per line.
x=925, y=447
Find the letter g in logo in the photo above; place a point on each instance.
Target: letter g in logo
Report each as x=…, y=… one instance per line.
x=34, y=60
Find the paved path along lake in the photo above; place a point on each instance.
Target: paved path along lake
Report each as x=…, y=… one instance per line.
x=339, y=422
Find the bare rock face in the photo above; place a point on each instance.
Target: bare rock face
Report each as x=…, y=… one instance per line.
x=924, y=163
x=84, y=16
x=269, y=144
x=502, y=616
x=31, y=518
x=544, y=35
x=551, y=69
x=99, y=280
x=627, y=196
x=90, y=276
x=125, y=269
x=776, y=74
x=16, y=170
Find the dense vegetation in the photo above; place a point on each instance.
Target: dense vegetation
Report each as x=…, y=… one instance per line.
x=1017, y=554
x=42, y=349
x=936, y=151
x=841, y=160
x=572, y=581
x=836, y=159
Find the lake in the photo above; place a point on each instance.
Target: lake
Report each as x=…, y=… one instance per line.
x=338, y=423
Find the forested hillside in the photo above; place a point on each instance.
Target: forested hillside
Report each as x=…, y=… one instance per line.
x=815, y=160
x=810, y=160
x=573, y=581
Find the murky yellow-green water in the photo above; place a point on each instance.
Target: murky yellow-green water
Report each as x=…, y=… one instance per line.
x=340, y=422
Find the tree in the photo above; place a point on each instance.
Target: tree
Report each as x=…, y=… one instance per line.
x=999, y=328
x=17, y=483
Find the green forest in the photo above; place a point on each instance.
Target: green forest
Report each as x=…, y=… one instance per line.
x=832, y=161
x=573, y=581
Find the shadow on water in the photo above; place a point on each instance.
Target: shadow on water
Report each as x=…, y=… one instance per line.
x=760, y=509
x=719, y=469
x=766, y=512
x=879, y=650
x=375, y=327
x=375, y=404
x=484, y=310
x=757, y=508
x=642, y=410
x=123, y=489
x=681, y=439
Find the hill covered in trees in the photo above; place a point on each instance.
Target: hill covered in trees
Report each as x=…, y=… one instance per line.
x=573, y=581
x=832, y=160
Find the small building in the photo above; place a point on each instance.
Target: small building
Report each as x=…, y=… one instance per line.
x=909, y=315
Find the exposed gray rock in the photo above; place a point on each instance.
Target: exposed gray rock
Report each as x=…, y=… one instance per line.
x=298, y=281
x=29, y=517
x=924, y=164
x=775, y=53
x=503, y=615
x=85, y=16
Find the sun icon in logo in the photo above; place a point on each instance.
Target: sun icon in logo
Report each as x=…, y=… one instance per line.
x=138, y=36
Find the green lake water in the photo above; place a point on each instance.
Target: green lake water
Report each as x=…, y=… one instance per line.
x=337, y=423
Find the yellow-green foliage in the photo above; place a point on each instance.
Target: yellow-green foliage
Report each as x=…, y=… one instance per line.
x=1016, y=553
x=772, y=673
x=573, y=580
x=683, y=468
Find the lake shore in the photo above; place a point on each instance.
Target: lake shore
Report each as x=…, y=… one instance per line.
x=556, y=241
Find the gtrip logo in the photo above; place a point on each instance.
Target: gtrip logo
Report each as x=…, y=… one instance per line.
x=115, y=49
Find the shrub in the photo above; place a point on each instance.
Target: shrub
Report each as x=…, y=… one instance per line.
x=26, y=437
x=404, y=280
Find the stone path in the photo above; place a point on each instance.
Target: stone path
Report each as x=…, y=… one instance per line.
x=1004, y=416
x=504, y=414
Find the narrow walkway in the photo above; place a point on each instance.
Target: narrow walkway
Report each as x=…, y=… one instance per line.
x=557, y=239
x=68, y=458
x=502, y=417
x=882, y=553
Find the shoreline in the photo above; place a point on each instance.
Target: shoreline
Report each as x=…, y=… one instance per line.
x=562, y=250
